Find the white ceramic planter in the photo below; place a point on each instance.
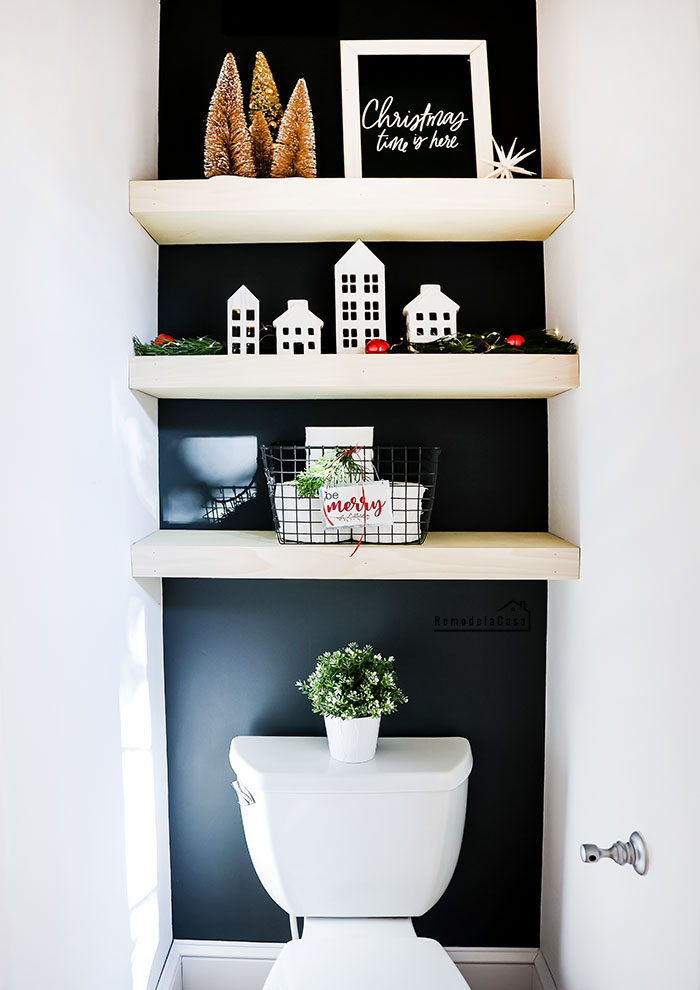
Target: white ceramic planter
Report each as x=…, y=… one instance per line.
x=352, y=740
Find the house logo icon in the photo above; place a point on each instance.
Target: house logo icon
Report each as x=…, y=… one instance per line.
x=514, y=616
x=518, y=613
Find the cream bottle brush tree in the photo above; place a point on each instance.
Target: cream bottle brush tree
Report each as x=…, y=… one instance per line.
x=295, y=148
x=228, y=149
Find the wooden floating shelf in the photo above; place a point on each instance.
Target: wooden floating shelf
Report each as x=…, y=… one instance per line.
x=236, y=210
x=359, y=376
x=443, y=557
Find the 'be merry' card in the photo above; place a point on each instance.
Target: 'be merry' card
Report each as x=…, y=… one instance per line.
x=365, y=504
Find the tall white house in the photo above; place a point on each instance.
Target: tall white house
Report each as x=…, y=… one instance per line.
x=430, y=315
x=360, y=309
x=243, y=320
x=298, y=330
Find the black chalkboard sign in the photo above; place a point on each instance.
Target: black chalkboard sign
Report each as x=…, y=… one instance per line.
x=416, y=116
x=415, y=109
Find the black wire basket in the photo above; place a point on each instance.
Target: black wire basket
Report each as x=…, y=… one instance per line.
x=410, y=471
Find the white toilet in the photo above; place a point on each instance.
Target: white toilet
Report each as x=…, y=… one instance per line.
x=357, y=850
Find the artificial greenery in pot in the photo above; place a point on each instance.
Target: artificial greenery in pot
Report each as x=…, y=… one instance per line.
x=352, y=688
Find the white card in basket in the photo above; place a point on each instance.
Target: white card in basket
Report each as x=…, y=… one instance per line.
x=328, y=437
x=364, y=504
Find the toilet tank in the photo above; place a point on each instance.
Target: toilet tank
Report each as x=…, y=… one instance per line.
x=347, y=840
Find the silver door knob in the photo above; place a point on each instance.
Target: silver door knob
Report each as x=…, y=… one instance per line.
x=631, y=853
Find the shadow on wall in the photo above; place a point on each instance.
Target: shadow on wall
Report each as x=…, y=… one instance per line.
x=141, y=732
x=218, y=478
x=140, y=807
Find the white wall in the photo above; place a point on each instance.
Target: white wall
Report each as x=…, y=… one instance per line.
x=83, y=839
x=621, y=113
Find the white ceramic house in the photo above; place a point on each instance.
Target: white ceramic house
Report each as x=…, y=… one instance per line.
x=360, y=312
x=297, y=330
x=430, y=315
x=243, y=319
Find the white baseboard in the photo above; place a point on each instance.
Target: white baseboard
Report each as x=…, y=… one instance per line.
x=196, y=965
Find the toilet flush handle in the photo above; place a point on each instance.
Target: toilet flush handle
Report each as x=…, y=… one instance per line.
x=245, y=798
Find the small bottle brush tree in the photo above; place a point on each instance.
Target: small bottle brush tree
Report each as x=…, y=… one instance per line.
x=354, y=682
x=295, y=148
x=228, y=148
x=263, y=145
x=264, y=96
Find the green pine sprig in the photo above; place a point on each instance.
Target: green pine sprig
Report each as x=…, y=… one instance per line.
x=340, y=468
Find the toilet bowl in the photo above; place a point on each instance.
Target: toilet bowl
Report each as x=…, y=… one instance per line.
x=357, y=850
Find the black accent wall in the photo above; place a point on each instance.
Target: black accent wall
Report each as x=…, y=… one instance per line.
x=233, y=649
x=303, y=40
x=492, y=470
x=498, y=286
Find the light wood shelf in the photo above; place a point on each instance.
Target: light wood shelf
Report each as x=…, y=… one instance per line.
x=443, y=557
x=360, y=376
x=232, y=209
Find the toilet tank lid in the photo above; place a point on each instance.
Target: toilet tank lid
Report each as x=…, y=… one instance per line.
x=303, y=764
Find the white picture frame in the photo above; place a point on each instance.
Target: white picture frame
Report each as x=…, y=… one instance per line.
x=350, y=85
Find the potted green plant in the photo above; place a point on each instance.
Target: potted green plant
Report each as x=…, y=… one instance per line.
x=352, y=688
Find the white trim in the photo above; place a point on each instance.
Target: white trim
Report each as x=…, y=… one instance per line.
x=228, y=950
x=350, y=87
x=487, y=956
x=542, y=978
x=199, y=965
x=171, y=975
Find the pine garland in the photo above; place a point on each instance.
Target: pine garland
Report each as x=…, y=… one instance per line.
x=228, y=148
x=465, y=343
x=534, y=342
x=193, y=345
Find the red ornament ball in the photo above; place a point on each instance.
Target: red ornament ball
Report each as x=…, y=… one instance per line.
x=515, y=340
x=163, y=338
x=377, y=346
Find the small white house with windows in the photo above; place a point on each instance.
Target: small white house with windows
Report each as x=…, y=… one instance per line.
x=360, y=309
x=297, y=330
x=430, y=315
x=243, y=319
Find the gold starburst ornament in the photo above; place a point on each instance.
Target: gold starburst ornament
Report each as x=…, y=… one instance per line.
x=508, y=164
